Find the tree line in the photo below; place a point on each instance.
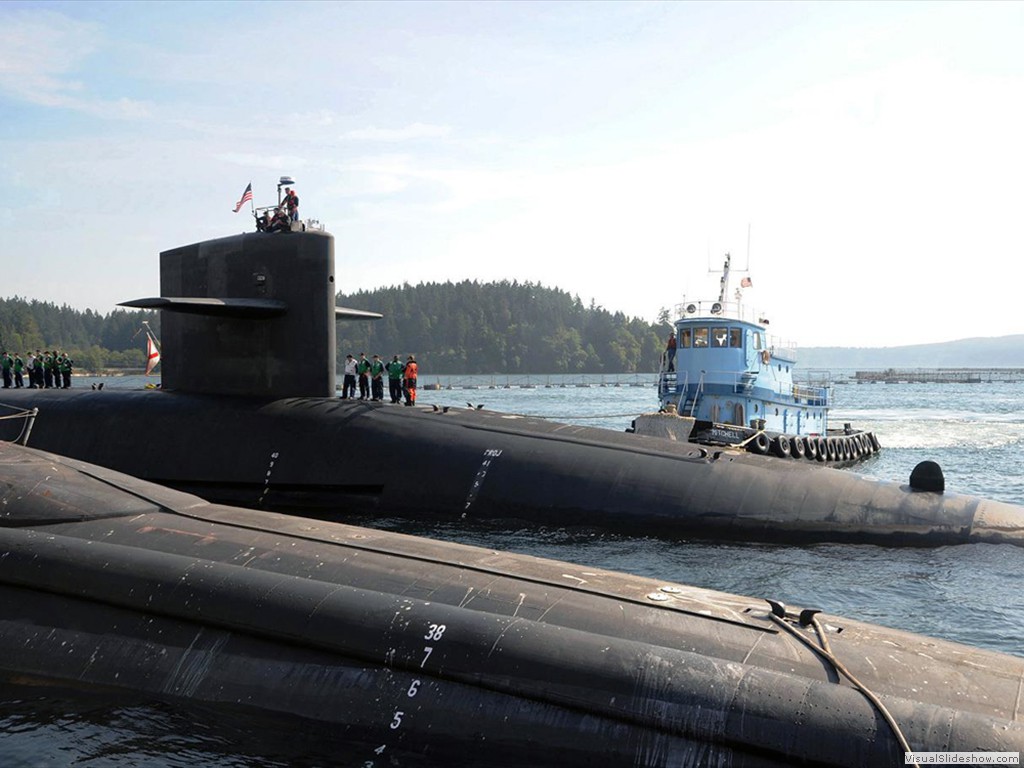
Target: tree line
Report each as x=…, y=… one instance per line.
x=500, y=327
x=94, y=341
x=452, y=328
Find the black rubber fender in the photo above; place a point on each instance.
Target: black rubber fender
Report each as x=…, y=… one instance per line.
x=797, y=447
x=760, y=444
x=781, y=447
x=811, y=448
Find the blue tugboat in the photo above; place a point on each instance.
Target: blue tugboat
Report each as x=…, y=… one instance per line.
x=726, y=381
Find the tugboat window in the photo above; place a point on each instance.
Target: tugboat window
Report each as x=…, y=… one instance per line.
x=719, y=337
x=685, y=336
x=757, y=340
x=735, y=337
x=700, y=337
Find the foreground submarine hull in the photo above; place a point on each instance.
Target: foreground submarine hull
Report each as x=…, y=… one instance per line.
x=426, y=649
x=331, y=458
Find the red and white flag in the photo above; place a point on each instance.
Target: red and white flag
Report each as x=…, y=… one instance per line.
x=152, y=355
x=746, y=282
x=246, y=197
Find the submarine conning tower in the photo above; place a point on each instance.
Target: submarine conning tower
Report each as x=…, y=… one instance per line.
x=251, y=314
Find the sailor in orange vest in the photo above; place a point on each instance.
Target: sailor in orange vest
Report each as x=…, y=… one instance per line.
x=410, y=372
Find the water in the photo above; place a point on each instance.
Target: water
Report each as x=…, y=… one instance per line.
x=971, y=594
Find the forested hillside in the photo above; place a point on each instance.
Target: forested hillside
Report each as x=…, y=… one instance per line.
x=504, y=327
x=467, y=328
x=94, y=341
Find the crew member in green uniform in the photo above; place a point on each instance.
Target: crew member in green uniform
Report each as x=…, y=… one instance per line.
x=65, y=366
x=6, y=363
x=376, y=379
x=19, y=369
x=48, y=368
x=395, y=370
x=363, y=370
x=36, y=377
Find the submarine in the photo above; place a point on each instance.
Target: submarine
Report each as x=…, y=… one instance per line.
x=429, y=652
x=248, y=415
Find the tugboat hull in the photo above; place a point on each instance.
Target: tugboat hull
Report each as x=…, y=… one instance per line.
x=838, y=448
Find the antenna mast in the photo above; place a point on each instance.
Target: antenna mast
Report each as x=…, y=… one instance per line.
x=724, y=284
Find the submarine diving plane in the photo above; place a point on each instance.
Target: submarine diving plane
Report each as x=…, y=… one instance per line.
x=248, y=415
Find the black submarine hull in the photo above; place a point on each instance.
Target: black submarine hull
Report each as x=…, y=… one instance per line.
x=332, y=458
x=432, y=650
x=249, y=415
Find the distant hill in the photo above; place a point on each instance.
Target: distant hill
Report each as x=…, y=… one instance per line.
x=995, y=352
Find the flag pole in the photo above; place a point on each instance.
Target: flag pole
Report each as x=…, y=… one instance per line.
x=149, y=334
x=252, y=207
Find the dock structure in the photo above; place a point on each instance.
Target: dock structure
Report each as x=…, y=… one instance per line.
x=940, y=376
x=551, y=381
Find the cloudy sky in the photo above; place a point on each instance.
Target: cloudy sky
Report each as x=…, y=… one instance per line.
x=874, y=152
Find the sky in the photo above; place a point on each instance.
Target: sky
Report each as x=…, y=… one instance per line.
x=863, y=161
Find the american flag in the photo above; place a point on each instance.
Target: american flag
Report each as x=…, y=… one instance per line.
x=746, y=282
x=246, y=197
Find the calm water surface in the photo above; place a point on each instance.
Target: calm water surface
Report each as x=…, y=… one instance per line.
x=971, y=594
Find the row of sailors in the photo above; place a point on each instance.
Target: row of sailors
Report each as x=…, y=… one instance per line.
x=45, y=370
x=401, y=378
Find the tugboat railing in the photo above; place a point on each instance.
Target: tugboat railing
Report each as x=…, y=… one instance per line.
x=814, y=395
x=718, y=310
x=698, y=390
x=742, y=382
x=702, y=309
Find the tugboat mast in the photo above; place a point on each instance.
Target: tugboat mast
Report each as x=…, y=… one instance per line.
x=724, y=282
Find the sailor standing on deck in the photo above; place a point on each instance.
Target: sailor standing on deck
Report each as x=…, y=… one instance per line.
x=363, y=369
x=19, y=367
x=395, y=370
x=66, y=364
x=48, y=368
x=376, y=379
x=291, y=203
x=670, y=349
x=411, y=371
x=6, y=363
x=52, y=372
x=348, y=388
x=37, y=370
